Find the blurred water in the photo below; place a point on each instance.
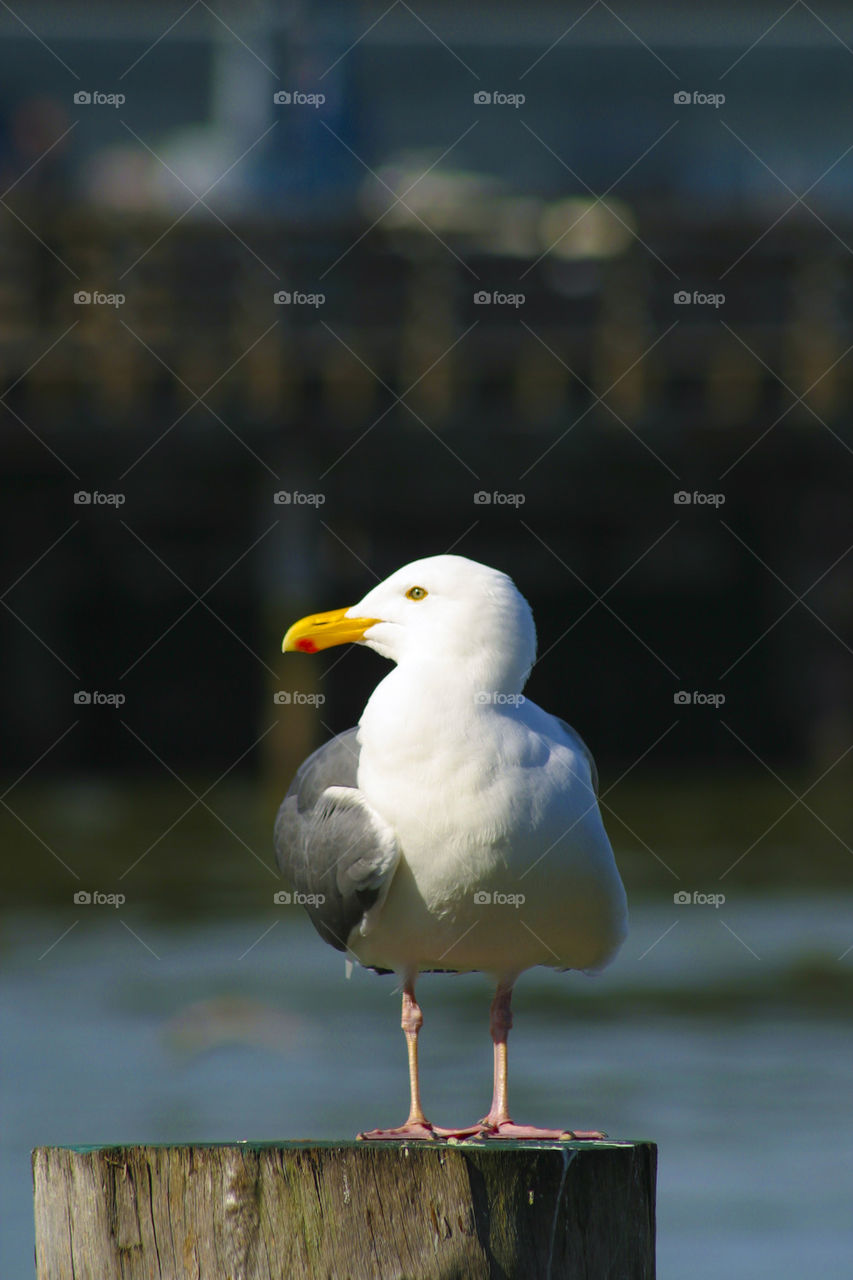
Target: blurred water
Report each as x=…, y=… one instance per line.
x=728, y=1042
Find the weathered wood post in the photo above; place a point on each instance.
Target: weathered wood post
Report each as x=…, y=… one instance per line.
x=318, y=1210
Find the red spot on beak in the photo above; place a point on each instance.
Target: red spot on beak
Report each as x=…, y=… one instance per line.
x=306, y=646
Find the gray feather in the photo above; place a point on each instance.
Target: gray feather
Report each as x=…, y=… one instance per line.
x=333, y=846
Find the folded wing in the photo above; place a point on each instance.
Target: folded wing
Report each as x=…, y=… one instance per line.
x=332, y=845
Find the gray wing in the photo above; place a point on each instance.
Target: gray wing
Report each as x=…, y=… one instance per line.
x=579, y=745
x=335, y=850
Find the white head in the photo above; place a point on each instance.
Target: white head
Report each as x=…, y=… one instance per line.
x=445, y=609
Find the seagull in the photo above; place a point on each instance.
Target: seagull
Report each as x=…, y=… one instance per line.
x=457, y=827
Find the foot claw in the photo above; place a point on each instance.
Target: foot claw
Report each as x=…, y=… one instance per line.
x=420, y=1130
x=531, y=1133
x=403, y=1132
x=502, y=1129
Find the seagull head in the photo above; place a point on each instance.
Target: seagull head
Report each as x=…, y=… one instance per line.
x=445, y=609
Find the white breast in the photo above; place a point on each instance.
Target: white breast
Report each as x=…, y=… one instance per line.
x=485, y=803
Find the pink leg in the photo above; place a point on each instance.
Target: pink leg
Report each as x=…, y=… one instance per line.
x=497, y=1124
x=417, y=1125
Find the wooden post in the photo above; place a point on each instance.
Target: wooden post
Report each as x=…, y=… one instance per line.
x=312, y=1210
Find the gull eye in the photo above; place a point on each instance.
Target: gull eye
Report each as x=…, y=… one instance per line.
x=416, y=593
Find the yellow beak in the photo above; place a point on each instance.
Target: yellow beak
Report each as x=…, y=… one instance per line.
x=323, y=630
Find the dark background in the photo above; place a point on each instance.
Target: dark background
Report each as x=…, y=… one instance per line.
x=591, y=404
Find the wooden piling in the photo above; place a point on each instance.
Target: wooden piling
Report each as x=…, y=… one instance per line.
x=354, y=1210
